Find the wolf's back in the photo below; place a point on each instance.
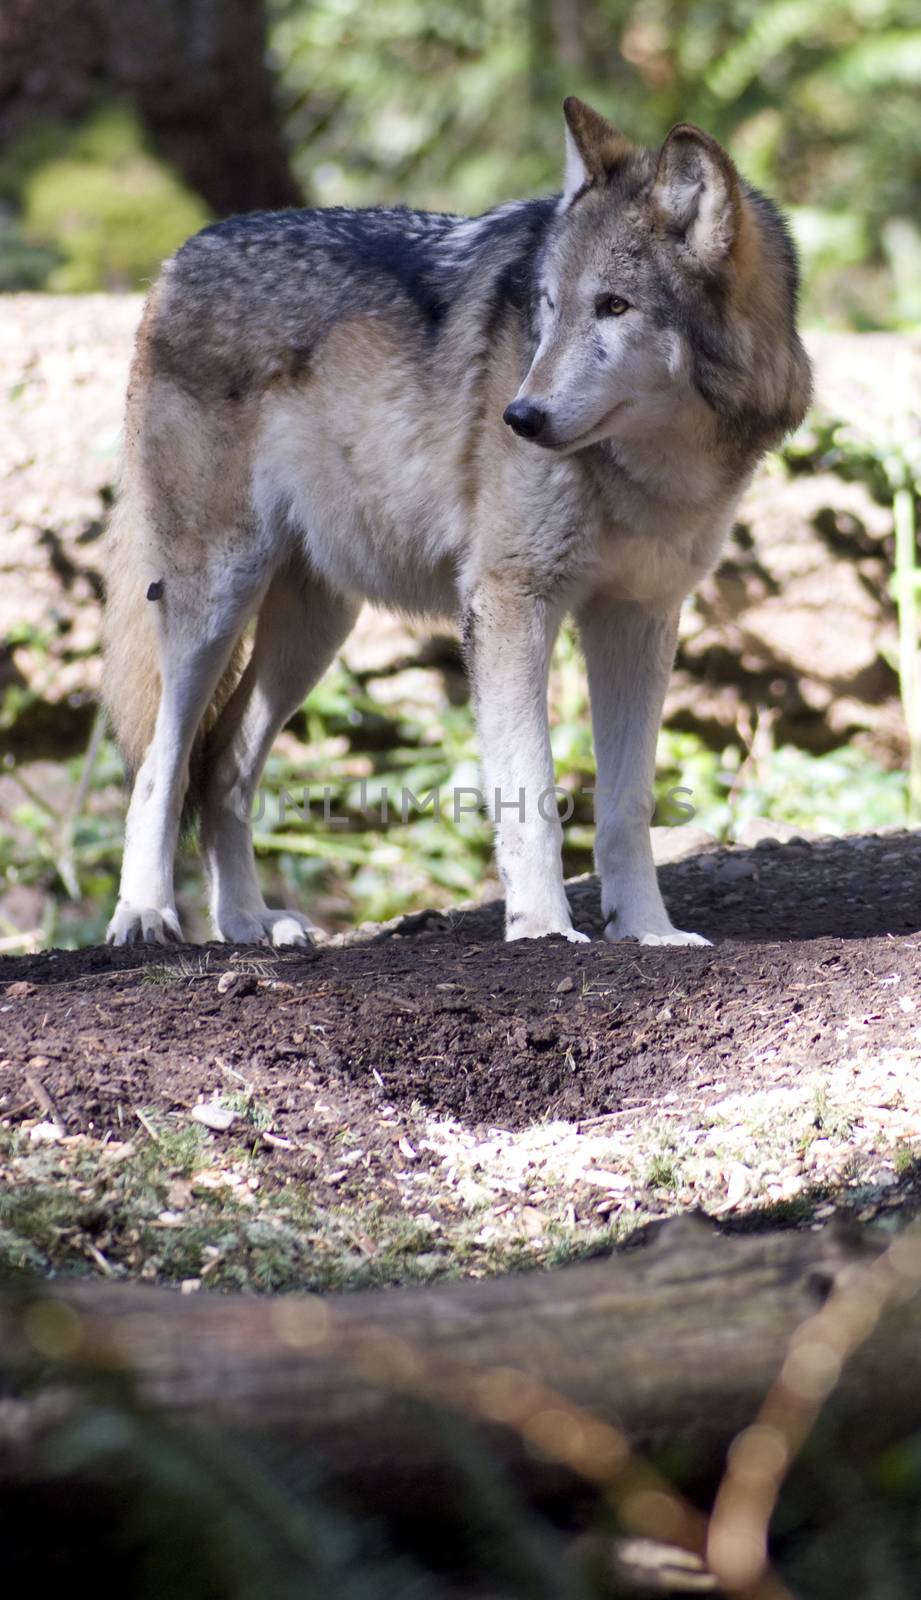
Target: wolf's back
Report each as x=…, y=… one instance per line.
x=248, y=302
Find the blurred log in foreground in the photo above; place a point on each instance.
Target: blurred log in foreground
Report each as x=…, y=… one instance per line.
x=561, y=1375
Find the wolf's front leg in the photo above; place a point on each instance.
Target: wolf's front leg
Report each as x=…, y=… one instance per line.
x=510, y=637
x=629, y=652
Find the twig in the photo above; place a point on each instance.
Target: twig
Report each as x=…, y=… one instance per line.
x=761, y=1456
x=40, y=800
x=906, y=581
x=44, y=1100
x=100, y=1260
x=67, y=871
x=29, y=941
x=146, y=1124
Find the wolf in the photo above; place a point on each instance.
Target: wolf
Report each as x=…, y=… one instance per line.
x=549, y=410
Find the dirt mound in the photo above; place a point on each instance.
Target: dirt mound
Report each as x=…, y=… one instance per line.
x=435, y=1012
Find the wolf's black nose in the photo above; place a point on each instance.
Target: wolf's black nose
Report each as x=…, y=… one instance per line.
x=524, y=419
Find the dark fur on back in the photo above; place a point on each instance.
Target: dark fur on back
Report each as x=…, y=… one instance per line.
x=253, y=296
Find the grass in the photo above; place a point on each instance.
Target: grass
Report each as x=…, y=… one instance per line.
x=838, y=1121
x=176, y=1207
x=663, y=1172
x=181, y=970
x=170, y=1201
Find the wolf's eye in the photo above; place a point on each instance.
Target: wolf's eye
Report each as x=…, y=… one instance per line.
x=611, y=305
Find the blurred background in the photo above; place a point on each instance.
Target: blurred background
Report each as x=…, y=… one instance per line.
x=127, y=124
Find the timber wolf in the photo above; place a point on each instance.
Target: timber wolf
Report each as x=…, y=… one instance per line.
x=550, y=409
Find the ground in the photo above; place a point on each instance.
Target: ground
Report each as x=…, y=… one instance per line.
x=422, y=1099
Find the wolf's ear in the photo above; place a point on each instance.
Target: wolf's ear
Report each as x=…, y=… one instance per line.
x=593, y=147
x=696, y=189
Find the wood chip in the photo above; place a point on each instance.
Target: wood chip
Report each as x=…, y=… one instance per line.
x=616, y=1181
x=42, y=1098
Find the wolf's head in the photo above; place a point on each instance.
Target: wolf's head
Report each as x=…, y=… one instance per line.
x=667, y=286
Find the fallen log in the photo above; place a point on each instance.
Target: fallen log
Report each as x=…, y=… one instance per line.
x=681, y=1337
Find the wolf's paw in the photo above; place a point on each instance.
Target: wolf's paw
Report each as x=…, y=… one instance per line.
x=277, y=928
x=673, y=936
x=143, y=925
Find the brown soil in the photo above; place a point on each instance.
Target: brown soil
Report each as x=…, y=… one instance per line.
x=437, y=1014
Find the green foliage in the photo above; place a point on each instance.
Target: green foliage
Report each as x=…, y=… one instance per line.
x=457, y=106
x=454, y=105
x=23, y=265
x=840, y=792
x=96, y=210
x=192, y=1513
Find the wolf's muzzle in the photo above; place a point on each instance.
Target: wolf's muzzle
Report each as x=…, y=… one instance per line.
x=525, y=419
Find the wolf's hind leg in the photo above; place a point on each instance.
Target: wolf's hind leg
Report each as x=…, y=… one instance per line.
x=301, y=625
x=629, y=652
x=199, y=621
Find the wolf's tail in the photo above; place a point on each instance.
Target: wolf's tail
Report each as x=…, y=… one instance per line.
x=131, y=665
x=131, y=683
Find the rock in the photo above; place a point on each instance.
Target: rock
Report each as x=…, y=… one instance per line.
x=615, y=1182
x=676, y=843
x=63, y=370
x=730, y=868
x=237, y=983
x=46, y=1133
x=533, y=1222
x=738, y=1184
x=798, y=617
x=213, y=1115
x=757, y=830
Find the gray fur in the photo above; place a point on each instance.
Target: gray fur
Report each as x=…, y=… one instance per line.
x=315, y=419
